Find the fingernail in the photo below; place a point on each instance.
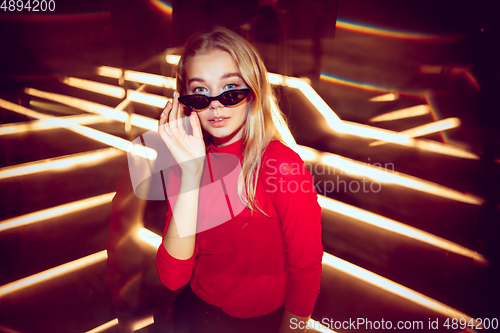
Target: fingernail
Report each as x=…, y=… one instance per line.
x=175, y=94
x=163, y=114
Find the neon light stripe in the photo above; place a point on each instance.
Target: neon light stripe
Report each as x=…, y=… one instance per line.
x=163, y=6
x=53, y=273
x=354, y=84
x=371, y=30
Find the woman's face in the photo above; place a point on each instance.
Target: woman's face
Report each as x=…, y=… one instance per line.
x=212, y=74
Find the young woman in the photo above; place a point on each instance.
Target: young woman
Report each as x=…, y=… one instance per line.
x=259, y=269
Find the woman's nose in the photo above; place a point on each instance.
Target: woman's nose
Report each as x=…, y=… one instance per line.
x=215, y=104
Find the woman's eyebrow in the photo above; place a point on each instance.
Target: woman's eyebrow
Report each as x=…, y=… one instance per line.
x=195, y=79
x=228, y=75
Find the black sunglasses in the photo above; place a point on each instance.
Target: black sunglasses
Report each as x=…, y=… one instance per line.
x=227, y=98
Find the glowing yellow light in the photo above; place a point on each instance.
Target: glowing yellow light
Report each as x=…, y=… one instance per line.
x=357, y=168
x=53, y=273
x=366, y=131
x=413, y=111
x=81, y=104
x=143, y=323
x=373, y=132
x=172, y=59
x=402, y=139
x=399, y=228
x=392, y=287
x=53, y=107
x=108, y=139
x=115, y=73
x=385, y=98
x=433, y=127
x=330, y=116
x=22, y=110
x=149, y=99
x=91, y=133
x=60, y=163
x=45, y=124
x=150, y=237
x=104, y=327
x=152, y=79
x=20, y=221
x=97, y=87
x=106, y=111
x=443, y=148
x=140, y=77
x=139, y=324
x=306, y=153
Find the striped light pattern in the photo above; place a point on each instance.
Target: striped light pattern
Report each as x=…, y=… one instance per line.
x=97, y=87
x=53, y=212
x=413, y=111
x=392, y=287
x=399, y=228
x=437, y=126
x=94, y=157
x=46, y=124
x=380, y=282
x=148, y=99
x=366, y=131
x=91, y=133
x=103, y=110
x=357, y=168
x=385, y=98
x=53, y=273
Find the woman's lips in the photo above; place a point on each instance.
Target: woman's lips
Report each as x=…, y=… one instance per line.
x=218, y=122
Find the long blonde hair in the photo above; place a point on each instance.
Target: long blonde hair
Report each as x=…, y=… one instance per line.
x=264, y=114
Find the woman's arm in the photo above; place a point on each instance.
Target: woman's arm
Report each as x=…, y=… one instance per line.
x=186, y=210
x=180, y=235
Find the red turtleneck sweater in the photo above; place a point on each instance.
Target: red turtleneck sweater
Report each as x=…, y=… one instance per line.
x=250, y=266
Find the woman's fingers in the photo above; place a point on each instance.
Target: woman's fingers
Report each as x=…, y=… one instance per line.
x=195, y=124
x=172, y=115
x=178, y=109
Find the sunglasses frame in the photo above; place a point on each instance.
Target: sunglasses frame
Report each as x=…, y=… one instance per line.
x=213, y=98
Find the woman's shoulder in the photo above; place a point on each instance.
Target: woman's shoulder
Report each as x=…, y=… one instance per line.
x=279, y=150
x=279, y=156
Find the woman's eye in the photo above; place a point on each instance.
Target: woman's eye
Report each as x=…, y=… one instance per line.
x=199, y=90
x=231, y=86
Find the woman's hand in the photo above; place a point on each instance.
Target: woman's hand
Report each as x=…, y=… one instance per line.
x=188, y=150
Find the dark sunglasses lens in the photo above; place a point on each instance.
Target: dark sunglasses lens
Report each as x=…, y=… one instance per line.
x=233, y=97
x=201, y=102
x=195, y=101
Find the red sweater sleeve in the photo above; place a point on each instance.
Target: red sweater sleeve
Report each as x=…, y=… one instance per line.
x=292, y=192
x=174, y=273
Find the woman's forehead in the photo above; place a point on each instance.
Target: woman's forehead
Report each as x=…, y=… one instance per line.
x=213, y=65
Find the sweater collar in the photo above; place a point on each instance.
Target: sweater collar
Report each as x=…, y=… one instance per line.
x=234, y=148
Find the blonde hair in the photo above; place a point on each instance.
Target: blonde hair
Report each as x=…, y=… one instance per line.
x=264, y=114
